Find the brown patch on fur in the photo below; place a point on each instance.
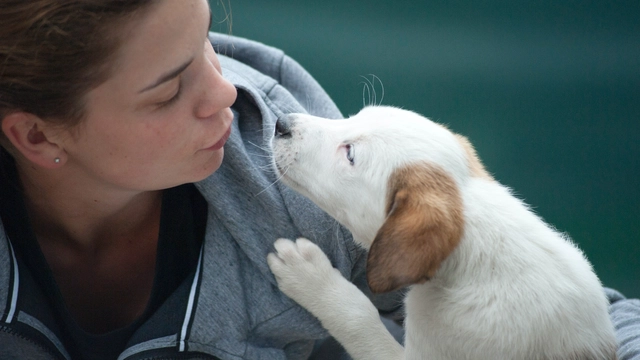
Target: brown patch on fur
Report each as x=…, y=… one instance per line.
x=424, y=225
x=475, y=165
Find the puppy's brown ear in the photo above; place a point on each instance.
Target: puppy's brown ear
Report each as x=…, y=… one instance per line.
x=424, y=225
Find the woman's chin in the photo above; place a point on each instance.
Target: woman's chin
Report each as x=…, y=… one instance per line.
x=210, y=166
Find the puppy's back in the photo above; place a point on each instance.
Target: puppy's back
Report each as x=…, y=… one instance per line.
x=513, y=289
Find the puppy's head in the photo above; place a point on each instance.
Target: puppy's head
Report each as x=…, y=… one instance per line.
x=391, y=176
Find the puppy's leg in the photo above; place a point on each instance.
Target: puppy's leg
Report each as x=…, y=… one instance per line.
x=304, y=273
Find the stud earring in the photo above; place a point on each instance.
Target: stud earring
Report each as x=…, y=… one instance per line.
x=56, y=160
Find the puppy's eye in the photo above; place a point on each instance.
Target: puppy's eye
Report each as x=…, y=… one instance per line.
x=351, y=153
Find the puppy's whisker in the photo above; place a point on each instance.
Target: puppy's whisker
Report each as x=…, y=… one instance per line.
x=259, y=155
x=371, y=89
x=267, y=150
x=267, y=168
x=256, y=131
x=374, y=77
x=273, y=183
x=365, y=91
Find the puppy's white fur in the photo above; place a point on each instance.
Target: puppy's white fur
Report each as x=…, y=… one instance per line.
x=488, y=278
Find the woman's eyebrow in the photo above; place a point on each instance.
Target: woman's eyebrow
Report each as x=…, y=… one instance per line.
x=168, y=76
x=177, y=71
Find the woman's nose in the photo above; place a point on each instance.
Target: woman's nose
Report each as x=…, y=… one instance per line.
x=217, y=93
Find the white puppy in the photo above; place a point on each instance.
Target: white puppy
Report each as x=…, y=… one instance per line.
x=488, y=278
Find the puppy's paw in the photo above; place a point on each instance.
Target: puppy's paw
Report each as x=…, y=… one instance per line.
x=302, y=270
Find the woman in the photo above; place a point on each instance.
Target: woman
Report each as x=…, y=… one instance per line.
x=124, y=234
x=111, y=110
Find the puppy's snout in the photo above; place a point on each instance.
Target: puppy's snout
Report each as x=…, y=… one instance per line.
x=283, y=126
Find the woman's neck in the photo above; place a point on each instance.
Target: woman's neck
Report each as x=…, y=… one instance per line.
x=82, y=213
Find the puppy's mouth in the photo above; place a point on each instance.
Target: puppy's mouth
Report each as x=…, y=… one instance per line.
x=278, y=162
x=282, y=172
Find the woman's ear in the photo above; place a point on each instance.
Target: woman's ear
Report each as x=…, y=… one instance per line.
x=33, y=139
x=424, y=225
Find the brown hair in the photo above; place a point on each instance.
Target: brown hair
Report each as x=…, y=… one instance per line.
x=52, y=52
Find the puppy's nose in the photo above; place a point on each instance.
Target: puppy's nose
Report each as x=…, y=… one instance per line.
x=283, y=127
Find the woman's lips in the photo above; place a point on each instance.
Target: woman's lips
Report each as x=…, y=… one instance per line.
x=221, y=142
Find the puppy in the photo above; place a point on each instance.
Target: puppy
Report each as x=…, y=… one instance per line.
x=488, y=278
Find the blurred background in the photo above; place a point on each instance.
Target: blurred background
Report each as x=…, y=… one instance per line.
x=547, y=91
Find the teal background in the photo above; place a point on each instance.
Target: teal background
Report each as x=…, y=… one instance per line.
x=547, y=91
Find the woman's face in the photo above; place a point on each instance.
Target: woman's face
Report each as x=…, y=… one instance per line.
x=162, y=117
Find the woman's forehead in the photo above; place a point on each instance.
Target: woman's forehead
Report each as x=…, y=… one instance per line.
x=161, y=40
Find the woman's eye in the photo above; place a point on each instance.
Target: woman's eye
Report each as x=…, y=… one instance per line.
x=173, y=99
x=351, y=153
